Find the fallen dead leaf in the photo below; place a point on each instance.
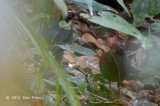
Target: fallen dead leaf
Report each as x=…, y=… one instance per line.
x=122, y=101
x=100, y=44
x=69, y=58
x=87, y=37
x=88, y=62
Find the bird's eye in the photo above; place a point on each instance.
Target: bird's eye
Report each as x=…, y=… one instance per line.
x=120, y=49
x=69, y=14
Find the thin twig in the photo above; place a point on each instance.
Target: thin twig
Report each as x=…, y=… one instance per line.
x=117, y=66
x=104, y=99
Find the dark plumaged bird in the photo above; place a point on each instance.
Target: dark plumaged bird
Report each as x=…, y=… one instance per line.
x=53, y=34
x=114, y=65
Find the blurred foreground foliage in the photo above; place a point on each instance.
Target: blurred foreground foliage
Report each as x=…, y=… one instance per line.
x=20, y=42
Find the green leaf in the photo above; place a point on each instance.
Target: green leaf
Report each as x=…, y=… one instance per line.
x=79, y=82
x=65, y=47
x=95, y=5
x=78, y=49
x=69, y=53
x=110, y=20
x=89, y=4
x=64, y=25
x=124, y=7
x=83, y=50
x=139, y=8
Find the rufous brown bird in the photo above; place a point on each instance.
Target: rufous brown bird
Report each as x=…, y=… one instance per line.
x=115, y=65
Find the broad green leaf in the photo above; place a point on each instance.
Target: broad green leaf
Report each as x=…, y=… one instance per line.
x=83, y=50
x=65, y=47
x=124, y=7
x=89, y=4
x=139, y=8
x=95, y=5
x=110, y=20
x=64, y=25
x=69, y=53
x=78, y=49
x=79, y=82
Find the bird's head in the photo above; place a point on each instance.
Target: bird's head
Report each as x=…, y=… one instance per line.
x=71, y=16
x=121, y=49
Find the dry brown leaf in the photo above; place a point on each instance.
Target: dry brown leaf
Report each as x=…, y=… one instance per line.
x=94, y=26
x=100, y=44
x=87, y=37
x=69, y=58
x=74, y=72
x=122, y=101
x=81, y=27
x=88, y=62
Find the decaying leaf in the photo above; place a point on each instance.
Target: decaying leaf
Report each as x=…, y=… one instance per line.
x=122, y=101
x=69, y=58
x=98, y=42
x=88, y=62
x=87, y=37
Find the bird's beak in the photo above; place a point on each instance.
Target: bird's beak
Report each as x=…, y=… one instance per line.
x=75, y=18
